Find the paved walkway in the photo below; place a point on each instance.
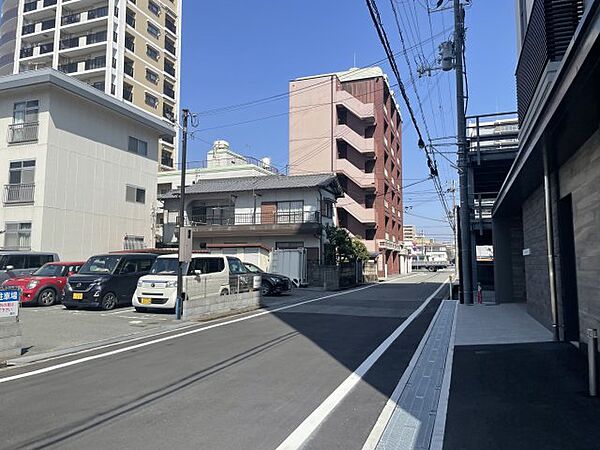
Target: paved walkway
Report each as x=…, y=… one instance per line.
x=506, y=323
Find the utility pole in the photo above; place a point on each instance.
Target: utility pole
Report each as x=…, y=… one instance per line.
x=465, y=226
x=179, y=306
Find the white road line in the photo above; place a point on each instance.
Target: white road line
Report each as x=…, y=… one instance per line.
x=168, y=338
x=388, y=409
x=301, y=434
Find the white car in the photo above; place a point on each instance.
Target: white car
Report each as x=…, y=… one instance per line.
x=206, y=275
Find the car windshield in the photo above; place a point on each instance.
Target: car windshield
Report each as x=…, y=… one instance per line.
x=100, y=265
x=252, y=268
x=164, y=266
x=49, y=270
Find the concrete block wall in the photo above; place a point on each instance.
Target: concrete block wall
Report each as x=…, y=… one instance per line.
x=218, y=305
x=10, y=338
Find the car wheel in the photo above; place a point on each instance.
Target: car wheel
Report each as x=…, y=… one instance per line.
x=109, y=301
x=265, y=288
x=141, y=309
x=47, y=297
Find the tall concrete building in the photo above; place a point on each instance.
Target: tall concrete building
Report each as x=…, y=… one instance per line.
x=349, y=123
x=129, y=49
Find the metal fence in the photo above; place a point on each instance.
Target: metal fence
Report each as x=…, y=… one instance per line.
x=278, y=217
x=19, y=193
x=22, y=132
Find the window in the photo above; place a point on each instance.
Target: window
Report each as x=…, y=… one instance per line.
x=163, y=188
x=236, y=266
x=145, y=264
x=153, y=8
x=207, y=265
x=135, y=194
x=38, y=260
x=327, y=208
x=290, y=245
x=100, y=264
x=151, y=100
x=26, y=112
x=152, y=52
x=137, y=146
x=21, y=172
x=17, y=235
x=290, y=212
x=151, y=76
x=153, y=30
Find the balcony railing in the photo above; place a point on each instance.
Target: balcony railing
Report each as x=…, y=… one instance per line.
x=28, y=29
x=49, y=2
x=97, y=13
x=22, y=132
x=170, y=25
x=95, y=63
x=68, y=67
x=26, y=52
x=169, y=92
x=550, y=29
x=275, y=218
x=166, y=160
x=19, y=193
x=170, y=48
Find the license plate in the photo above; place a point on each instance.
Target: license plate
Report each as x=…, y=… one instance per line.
x=145, y=301
x=77, y=296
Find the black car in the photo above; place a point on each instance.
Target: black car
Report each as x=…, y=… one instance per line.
x=272, y=283
x=107, y=281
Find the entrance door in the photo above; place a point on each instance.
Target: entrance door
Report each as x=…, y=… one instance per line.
x=568, y=269
x=268, y=212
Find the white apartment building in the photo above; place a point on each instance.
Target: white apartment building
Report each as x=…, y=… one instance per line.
x=130, y=49
x=77, y=168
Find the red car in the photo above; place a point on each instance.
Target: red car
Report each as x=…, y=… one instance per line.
x=45, y=286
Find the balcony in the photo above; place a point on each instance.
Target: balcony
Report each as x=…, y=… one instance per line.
x=359, y=212
x=170, y=69
x=82, y=66
x=30, y=6
x=84, y=16
x=166, y=160
x=169, y=92
x=358, y=176
x=364, y=111
x=22, y=132
x=170, y=47
x=551, y=26
x=170, y=25
x=358, y=142
x=18, y=193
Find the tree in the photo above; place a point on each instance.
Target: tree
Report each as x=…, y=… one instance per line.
x=343, y=248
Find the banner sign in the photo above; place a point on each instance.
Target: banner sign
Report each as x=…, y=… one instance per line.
x=9, y=302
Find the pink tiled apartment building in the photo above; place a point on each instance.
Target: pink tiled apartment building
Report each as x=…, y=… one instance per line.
x=349, y=123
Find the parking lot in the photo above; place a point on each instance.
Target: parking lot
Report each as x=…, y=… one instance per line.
x=54, y=328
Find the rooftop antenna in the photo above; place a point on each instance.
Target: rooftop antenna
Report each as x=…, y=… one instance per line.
x=354, y=61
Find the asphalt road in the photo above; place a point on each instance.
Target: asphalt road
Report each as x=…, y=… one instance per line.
x=240, y=383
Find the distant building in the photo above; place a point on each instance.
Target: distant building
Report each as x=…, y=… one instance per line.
x=221, y=163
x=78, y=167
x=130, y=50
x=349, y=123
x=277, y=212
x=409, y=232
x=556, y=172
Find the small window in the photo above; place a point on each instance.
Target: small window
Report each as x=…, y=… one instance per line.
x=289, y=245
x=26, y=112
x=152, y=52
x=236, y=266
x=145, y=264
x=207, y=265
x=151, y=76
x=17, y=236
x=153, y=8
x=327, y=208
x=137, y=146
x=135, y=194
x=153, y=30
x=151, y=100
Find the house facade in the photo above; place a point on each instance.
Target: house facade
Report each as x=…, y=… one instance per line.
x=274, y=211
x=546, y=217
x=78, y=167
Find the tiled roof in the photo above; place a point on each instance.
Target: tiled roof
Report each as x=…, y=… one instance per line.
x=259, y=183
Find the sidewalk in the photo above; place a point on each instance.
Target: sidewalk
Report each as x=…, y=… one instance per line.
x=513, y=388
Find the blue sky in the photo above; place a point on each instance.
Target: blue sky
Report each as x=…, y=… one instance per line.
x=238, y=51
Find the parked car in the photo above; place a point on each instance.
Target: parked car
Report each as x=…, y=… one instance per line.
x=206, y=274
x=45, y=286
x=13, y=264
x=272, y=283
x=107, y=281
